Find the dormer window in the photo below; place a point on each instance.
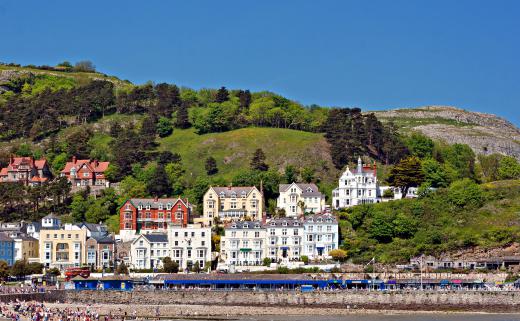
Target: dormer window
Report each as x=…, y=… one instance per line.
x=160, y=206
x=233, y=195
x=222, y=195
x=233, y=226
x=257, y=226
x=284, y=223
x=245, y=226
x=329, y=220
x=273, y=223
x=309, y=190
x=243, y=194
x=140, y=206
x=319, y=220
x=296, y=224
x=311, y=220
x=148, y=206
x=169, y=206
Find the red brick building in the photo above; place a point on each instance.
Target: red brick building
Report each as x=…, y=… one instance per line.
x=146, y=215
x=86, y=172
x=26, y=170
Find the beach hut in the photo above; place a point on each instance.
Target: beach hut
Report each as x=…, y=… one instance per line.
x=81, y=283
x=116, y=282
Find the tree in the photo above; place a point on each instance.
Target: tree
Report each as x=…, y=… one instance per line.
x=222, y=95
x=420, y=145
x=170, y=266
x=164, y=127
x=338, y=255
x=79, y=207
x=168, y=99
x=267, y=261
x=258, y=161
x=434, y=173
x=182, y=117
x=211, y=166
x=159, y=185
x=305, y=259
x=407, y=173
x=508, y=168
x=4, y=270
x=19, y=269
x=465, y=193
x=307, y=174
x=290, y=174
x=122, y=269
x=54, y=271
x=245, y=98
x=85, y=66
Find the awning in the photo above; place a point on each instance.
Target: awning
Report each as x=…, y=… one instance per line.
x=245, y=250
x=285, y=248
x=445, y=282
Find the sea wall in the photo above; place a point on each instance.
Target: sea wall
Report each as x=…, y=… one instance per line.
x=455, y=300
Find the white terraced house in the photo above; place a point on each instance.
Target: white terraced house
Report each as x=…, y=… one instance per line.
x=243, y=243
x=356, y=187
x=297, y=196
x=189, y=245
x=284, y=239
x=320, y=236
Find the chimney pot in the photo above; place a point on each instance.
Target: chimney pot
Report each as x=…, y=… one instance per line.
x=74, y=160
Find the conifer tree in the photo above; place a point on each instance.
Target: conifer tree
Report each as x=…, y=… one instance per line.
x=211, y=166
x=258, y=161
x=222, y=95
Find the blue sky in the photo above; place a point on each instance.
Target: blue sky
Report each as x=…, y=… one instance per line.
x=370, y=54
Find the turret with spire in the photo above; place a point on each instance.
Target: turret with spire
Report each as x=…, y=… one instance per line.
x=359, y=165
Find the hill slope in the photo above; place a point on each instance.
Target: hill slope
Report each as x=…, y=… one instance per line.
x=233, y=150
x=484, y=133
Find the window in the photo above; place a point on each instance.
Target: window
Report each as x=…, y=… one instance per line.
x=257, y=234
x=200, y=253
x=189, y=253
x=203, y=234
x=160, y=206
x=295, y=231
x=284, y=231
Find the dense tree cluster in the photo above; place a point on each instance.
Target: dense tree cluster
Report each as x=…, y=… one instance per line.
x=352, y=134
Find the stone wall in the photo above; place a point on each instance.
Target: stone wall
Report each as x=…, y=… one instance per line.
x=495, y=301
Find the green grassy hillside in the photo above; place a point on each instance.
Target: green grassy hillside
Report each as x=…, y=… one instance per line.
x=234, y=149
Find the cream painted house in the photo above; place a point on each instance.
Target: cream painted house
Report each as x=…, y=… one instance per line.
x=64, y=247
x=296, y=197
x=232, y=204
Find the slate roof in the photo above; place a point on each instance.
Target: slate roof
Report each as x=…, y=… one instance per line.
x=313, y=219
x=308, y=190
x=106, y=239
x=279, y=222
x=229, y=190
x=154, y=204
x=156, y=238
x=252, y=225
x=5, y=238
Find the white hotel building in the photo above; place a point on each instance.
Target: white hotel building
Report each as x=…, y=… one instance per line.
x=356, y=187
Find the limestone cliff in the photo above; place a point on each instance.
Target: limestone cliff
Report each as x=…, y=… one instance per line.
x=484, y=133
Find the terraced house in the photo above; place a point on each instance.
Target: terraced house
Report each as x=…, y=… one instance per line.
x=63, y=248
x=243, y=243
x=285, y=236
x=151, y=215
x=232, y=203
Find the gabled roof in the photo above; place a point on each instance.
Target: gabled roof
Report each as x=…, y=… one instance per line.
x=313, y=219
x=308, y=189
x=93, y=227
x=5, y=238
x=284, y=222
x=14, y=162
x=228, y=191
x=154, y=203
x=245, y=225
x=105, y=239
x=92, y=165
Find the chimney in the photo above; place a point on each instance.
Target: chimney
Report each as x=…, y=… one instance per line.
x=74, y=160
x=96, y=163
x=11, y=159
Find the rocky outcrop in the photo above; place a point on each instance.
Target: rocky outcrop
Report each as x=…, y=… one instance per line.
x=484, y=133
